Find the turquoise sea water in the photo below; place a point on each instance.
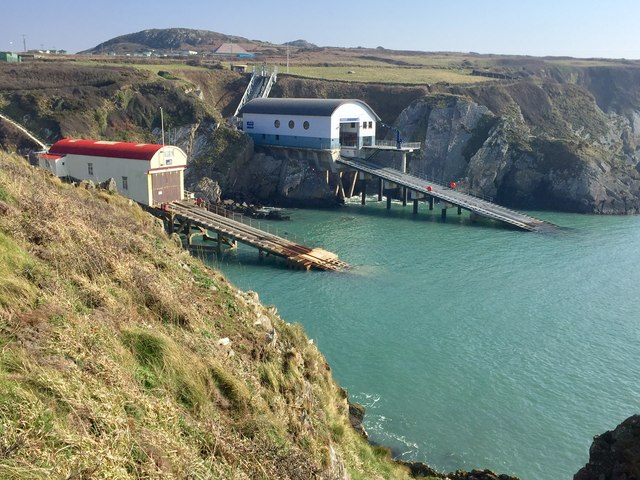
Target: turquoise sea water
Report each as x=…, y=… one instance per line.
x=471, y=346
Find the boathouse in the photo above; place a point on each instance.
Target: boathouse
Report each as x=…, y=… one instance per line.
x=310, y=123
x=150, y=174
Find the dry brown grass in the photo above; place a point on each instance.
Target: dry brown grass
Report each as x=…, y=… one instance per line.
x=110, y=361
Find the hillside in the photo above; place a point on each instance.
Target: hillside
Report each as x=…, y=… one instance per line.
x=167, y=41
x=124, y=357
x=530, y=133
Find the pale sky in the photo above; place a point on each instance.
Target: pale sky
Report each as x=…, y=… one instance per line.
x=578, y=28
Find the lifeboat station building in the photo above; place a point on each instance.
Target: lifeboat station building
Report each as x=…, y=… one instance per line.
x=150, y=174
x=340, y=125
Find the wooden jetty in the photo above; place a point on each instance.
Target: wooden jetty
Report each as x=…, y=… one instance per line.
x=185, y=216
x=429, y=190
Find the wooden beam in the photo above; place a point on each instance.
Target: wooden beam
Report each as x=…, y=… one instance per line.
x=353, y=184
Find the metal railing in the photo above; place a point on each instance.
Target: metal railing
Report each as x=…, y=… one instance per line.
x=394, y=144
x=260, y=224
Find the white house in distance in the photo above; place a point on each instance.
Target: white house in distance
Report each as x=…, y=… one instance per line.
x=311, y=123
x=150, y=174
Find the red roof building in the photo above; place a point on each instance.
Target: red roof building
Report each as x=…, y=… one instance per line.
x=148, y=173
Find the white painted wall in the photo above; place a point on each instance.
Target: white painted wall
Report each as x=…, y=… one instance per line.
x=319, y=127
x=105, y=168
x=136, y=171
x=351, y=112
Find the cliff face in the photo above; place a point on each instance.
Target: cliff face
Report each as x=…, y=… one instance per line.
x=614, y=455
x=545, y=145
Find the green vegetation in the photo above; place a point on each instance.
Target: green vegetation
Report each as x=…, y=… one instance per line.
x=121, y=356
x=386, y=74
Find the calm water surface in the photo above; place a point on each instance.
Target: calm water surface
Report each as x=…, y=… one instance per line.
x=471, y=346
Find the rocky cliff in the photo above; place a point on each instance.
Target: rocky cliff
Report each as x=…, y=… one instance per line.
x=558, y=137
x=534, y=145
x=615, y=455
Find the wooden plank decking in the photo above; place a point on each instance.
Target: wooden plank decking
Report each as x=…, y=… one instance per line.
x=297, y=255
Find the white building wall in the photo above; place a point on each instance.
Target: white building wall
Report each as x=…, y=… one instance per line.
x=350, y=112
x=265, y=123
x=169, y=156
x=57, y=166
x=104, y=168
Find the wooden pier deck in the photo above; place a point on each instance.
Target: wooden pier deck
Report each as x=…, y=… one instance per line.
x=450, y=195
x=296, y=255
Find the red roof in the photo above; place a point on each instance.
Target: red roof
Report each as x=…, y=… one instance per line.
x=101, y=148
x=47, y=156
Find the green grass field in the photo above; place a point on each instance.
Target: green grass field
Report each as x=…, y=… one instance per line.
x=387, y=74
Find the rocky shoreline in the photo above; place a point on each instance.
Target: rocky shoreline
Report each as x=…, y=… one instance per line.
x=614, y=455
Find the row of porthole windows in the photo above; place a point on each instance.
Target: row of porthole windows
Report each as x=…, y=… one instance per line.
x=292, y=124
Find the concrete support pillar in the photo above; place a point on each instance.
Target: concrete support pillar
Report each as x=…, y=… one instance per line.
x=444, y=214
x=459, y=210
x=415, y=206
x=430, y=203
x=388, y=201
x=219, y=245
x=405, y=192
x=364, y=191
x=380, y=189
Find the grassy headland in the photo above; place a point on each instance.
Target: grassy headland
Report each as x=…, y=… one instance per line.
x=121, y=356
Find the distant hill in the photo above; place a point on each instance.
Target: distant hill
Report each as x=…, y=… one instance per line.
x=169, y=39
x=301, y=44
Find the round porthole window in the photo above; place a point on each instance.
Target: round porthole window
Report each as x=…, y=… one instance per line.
x=291, y=124
x=276, y=124
x=305, y=125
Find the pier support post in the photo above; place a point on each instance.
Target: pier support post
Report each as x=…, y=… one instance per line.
x=219, y=245
x=405, y=194
x=415, y=206
x=388, y=201
x=430, y=203
x=380, y=189
x=459, y=210
x=443, y=214
x=364, y=191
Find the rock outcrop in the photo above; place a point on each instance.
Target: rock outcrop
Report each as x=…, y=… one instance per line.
x=547, y=146
x=280, y=177
x=614, y=455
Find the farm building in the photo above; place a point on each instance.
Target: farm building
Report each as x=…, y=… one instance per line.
x=9, y=57
x=150, y=174
x=311, y=123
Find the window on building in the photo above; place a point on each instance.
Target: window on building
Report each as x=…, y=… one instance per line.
x=125, y=183
x=276, y=124
x=370, y=124
x=291, y=124
x=305, y=125
x=90, y=168
x=353, y=125
x=364, y=124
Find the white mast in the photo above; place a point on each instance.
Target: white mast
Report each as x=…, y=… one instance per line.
x=162, y=125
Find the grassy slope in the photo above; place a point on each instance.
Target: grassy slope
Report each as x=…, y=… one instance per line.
x=111, y=365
